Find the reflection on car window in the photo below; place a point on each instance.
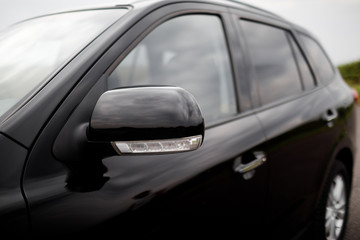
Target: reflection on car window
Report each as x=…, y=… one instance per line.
x=189, y=52
x=306, y=75
x=273, y=61
x=32, y=50
x=321, y=63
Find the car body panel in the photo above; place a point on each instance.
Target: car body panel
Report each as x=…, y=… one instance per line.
x=298, y=157
x=13, y=209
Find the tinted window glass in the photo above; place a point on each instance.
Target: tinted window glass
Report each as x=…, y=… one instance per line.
x=32, y=50
x=189, y=52
x=273, y=61
x=322, y=65
x=305, y=72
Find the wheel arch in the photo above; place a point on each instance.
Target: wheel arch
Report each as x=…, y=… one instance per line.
x=346, y=156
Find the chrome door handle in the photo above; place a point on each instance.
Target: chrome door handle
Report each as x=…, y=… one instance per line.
x=260, y=159
x=330, y=115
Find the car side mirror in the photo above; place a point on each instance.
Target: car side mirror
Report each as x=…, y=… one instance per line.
x=147, y=120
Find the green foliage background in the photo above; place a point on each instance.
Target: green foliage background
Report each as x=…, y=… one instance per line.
x=351, y=74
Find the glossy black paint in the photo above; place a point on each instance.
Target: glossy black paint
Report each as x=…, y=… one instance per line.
x=65, y=185
x=145, y=113
x=13, y=210
x=302, y=128
x=133, y=181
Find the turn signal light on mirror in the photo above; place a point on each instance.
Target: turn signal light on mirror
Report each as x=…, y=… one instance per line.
x=158, y=146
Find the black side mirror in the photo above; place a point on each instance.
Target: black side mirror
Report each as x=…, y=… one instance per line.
x=147, y=120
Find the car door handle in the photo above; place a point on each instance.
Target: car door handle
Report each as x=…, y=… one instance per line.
x=330, y=115
x=260, y=159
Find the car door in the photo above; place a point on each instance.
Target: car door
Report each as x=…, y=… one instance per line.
x=71, y=187
x=298, y=117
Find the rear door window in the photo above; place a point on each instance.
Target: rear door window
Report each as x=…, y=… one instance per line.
x=272, y=57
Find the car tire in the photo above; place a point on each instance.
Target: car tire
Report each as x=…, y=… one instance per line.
x=332, y=214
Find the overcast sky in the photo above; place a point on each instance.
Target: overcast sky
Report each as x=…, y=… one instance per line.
x=336, y=23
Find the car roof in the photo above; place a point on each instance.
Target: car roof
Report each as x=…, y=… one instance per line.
x=147, y=3
x=228, y=3
x=238, y=4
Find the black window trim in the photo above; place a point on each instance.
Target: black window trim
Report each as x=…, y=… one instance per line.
x=292, y=36
x=288, y=36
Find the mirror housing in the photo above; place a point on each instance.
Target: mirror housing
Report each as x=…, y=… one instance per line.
x=147, y=120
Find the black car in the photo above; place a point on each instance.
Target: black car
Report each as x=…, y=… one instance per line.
x=117, y=119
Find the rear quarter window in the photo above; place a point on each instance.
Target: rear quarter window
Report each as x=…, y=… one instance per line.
x=323, y=68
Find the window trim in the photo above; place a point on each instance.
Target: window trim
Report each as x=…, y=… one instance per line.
x=292, y=47
x=292, y=36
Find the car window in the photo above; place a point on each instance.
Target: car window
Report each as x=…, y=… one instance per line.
x=187, y=51
x=321, y=63
x=33, y=50
x=305, y=72
x=274, y=64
